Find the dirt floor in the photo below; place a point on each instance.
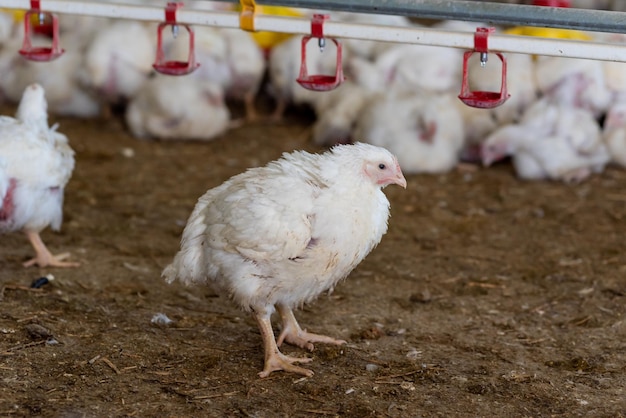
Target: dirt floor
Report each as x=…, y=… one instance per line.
x=488, y=296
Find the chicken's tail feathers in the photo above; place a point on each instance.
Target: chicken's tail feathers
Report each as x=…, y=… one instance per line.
x=189, y=264
x=186, y=267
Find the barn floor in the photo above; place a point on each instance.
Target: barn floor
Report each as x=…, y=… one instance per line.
x=488, y=297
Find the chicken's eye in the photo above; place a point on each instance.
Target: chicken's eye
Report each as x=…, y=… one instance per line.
x=382, y=166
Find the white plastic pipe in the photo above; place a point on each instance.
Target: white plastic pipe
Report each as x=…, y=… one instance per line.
x=465, y=40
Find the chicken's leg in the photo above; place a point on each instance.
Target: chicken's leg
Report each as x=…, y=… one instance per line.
x=293, y=334
x=279, y=111
x=43, y=257
x=274, y=359
x=248, y=99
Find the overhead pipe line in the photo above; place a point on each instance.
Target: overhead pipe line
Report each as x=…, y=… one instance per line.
x=336, y=29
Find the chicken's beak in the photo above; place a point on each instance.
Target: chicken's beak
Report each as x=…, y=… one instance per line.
x=400, y=180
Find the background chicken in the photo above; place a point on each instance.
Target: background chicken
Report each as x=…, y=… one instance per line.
x=227, y=57
x=36, y=163
x=60, y=78
x=414, y=68
x=424, y=131
x=119, y=60
x=614, y=133
x=520, y=78
x=552, y=141
x=269, y=249
x=573, y=82
x=169, y=107
x=337, y=112
x=284, y=69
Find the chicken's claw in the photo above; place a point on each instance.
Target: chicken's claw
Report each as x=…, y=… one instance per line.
x=51, y=261
x=294, y=335
x=278, y=361
x=303, y=339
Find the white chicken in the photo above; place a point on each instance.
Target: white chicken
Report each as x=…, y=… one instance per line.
x=552, y=141
x=614, y=133
x=284, y=69
x=211, y=52
x=614, y=71
x=247, y=63
x=337, y=112
x=36, y=163
x=411, y=68
x=268, y=249
x=77, y=31
x=573, y=82
x=60, y=79
x=520, y=78
x=477, y=125
x=521, y=86
x=425, y=131
x=119, y=60
x=169, y=107
x=229, y=57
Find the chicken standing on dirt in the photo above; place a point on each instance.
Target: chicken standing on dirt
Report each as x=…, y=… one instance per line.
x=36, y=163
x=278, y=236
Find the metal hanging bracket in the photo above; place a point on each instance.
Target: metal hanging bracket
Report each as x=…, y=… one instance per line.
x=320, y=82
x=40, y=53
x=161, y=64
x=482, y=99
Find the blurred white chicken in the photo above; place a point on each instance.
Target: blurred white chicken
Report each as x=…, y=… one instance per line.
x=268, y=249
x=573, y=82
x=211, y=52
x=411, y=68
x=77, y=31
x=36, y=163
x=247, y=63
x=477, y=125
x=425, y=131
x=337, y=112
x=552, y=141
x=60, y=78
x=614, y=71
x=119, y=60
x=284, y=69
x=521, y=84
x=229, y=57
x=170, y=107
x=614, y=133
